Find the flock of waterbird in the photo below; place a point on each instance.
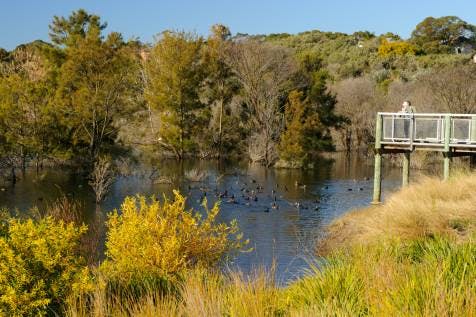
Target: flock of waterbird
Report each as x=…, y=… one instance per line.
x=251, y=193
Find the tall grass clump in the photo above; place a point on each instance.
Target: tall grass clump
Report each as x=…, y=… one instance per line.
x=428, y=208
x=428, y=276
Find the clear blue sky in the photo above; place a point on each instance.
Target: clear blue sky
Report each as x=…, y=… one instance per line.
x=23, y=21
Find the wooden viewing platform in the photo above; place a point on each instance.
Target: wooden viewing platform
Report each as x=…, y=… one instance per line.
x=451, y=134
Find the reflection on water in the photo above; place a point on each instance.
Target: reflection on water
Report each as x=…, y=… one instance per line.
x=290, y=210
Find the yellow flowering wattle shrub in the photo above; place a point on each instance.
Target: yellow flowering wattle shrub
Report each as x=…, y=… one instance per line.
x=39, y=266
x=162, y=240
x=397, y=48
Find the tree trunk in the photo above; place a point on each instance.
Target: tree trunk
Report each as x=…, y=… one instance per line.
x=14, y=176
x=220, y=129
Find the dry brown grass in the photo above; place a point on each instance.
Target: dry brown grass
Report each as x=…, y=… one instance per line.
x=202, y=294
x=431, y=207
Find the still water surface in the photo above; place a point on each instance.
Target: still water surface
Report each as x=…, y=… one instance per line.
x=283, y=233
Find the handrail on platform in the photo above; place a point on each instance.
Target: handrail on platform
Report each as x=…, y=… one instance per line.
x=402, y=132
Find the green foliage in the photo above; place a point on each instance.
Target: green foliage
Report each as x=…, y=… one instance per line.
x=309, y=115
x=66, y=31
x=175, y=73
x=303, y=130
x=25, y=91
x=161, y=241
x=341, y=54
x=441, y=35
x=39, y=266
x=96, y=84
x=219, y=88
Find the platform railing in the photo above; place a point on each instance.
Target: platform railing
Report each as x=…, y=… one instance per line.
x=428, y=129
x=396, y=132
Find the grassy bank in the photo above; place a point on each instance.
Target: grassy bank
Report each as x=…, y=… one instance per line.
x=426, y=209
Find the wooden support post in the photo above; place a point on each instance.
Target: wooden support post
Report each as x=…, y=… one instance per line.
x=447, y=153
x=406, y=169
x=378, y=162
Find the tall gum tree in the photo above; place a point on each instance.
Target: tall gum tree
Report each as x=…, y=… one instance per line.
x=220, y=86
x=96, y=82
x=175, y=74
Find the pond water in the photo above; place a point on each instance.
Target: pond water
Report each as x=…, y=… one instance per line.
x=282, y=225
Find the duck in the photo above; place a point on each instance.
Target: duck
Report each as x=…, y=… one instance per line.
x=231, y=200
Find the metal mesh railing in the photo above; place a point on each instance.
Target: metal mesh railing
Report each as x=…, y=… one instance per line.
x=427, y=128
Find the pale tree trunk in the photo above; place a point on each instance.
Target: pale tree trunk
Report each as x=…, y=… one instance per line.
x=220, y=129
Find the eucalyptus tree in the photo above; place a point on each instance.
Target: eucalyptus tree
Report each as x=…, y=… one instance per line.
x=441, y=35
x=219, y=88
x=175, y=74
x=25, y=92
x=96, y=82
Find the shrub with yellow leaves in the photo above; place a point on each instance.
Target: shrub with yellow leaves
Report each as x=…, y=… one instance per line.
x=152, y=240
x=39, y=265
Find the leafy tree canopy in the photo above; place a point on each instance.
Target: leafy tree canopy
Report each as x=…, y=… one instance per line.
x=438, y=35
x=65, y=31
